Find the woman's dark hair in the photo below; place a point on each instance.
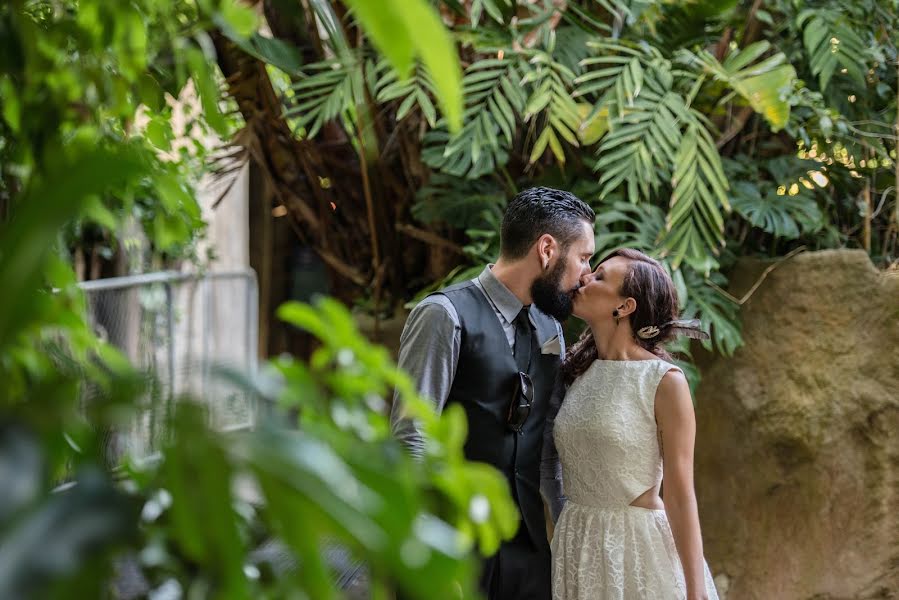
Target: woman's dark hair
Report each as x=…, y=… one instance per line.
x=647, y=282
x=540, y=210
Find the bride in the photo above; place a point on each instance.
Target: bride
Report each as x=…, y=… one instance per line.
x=625, y=427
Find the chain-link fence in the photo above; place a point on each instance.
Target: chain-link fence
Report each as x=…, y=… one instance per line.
x=179, y=328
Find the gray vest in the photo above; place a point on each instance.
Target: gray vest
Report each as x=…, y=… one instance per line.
x=484, y=383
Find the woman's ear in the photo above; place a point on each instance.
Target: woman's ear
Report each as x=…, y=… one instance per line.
x=628, y=307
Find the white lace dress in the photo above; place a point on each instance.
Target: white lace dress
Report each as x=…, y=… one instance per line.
x=605, y=432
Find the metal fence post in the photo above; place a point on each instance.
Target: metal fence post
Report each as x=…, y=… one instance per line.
x=226, y=338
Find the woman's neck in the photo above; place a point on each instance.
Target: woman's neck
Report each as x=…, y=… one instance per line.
x=616, y=342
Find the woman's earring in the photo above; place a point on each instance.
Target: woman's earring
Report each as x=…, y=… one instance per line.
x=615, y=315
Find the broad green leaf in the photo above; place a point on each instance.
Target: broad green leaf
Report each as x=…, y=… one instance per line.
x=100, y=214
x=403, y=29
x=273, y=51
x=70, y=181
x=239, y=17
x=765, y=85
x=169, y=231
x=208, y=89
x=60, y=534
x=198, y=476
x=389, y=32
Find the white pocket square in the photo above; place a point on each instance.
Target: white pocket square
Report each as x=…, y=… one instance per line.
x=552, y=346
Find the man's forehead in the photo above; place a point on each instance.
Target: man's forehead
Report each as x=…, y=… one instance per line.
x=587, y=241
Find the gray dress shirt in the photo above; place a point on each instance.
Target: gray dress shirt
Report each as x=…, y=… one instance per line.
x=429, y=352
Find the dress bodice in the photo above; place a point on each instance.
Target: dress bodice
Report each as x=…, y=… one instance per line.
x=606, y=433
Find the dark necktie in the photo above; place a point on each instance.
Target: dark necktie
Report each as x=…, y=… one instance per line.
x=523, y=335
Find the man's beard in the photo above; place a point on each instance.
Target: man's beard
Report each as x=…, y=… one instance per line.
x=548, y=295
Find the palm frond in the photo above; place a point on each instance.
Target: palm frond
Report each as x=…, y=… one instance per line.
x=461, y=203
x=323, y=94
x=490, y=7
x=831, y=42
x=621, y=224
x=695, y=225
x=571, y=47
x=640, y=145
x=615, y=77
x=717, y=312
x=418, y=90
x=552, y=83
x=494, y=101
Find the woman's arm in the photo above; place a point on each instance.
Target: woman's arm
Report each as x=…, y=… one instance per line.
x=677, y=434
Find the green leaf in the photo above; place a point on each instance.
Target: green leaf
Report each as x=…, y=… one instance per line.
x=715, y=310
x=273, y=51
x=388, y=32
x=767, y=94
x=172, y=195
x=540, y=145
x=783, y=216
x=198, y=476
x=831, y=41
x=403, y=29
x=303, y=316
x=556, y=147
x=765, y=85
x=207, y=89
x=99, y=214
x=159, y=133
x=12, y=108
x=169, y=232
x=695, y=226
x=69, y=182
x=54, y=539
x=238, y=16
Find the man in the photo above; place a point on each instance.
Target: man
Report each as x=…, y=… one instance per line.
x=494, y=344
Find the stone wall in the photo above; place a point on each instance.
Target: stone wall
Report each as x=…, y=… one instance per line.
x=797, y=465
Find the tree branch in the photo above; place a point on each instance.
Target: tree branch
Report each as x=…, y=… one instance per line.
x=428, y=237
x=736, y=126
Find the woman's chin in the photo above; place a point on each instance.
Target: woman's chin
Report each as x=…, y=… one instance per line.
x=575, y=306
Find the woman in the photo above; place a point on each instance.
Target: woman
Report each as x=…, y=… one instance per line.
x=626, y=424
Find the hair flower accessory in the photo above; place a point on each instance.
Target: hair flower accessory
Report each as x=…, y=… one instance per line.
x=692, y=328
x=647, y=333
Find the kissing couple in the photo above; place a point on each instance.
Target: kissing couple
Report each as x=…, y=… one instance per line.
x=593, y=431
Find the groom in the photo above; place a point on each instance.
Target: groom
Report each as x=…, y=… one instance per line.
x=493, y=345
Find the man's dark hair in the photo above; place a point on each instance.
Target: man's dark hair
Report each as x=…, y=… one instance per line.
x=539, y=210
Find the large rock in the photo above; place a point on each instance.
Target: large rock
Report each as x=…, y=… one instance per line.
x=797, y=466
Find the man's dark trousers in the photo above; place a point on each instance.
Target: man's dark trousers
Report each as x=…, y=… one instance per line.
x=519, y=571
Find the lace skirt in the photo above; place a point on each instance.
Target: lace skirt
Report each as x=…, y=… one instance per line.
x=617, y=554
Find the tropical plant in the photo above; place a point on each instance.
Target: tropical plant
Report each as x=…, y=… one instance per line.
x=684, y=107
x=320, y=477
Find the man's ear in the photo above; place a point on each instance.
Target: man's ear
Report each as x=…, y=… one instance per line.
x=547, y=247
x=629, y=306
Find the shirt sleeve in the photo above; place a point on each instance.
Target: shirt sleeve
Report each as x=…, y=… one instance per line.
x=551, y=485
x=429, y=353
